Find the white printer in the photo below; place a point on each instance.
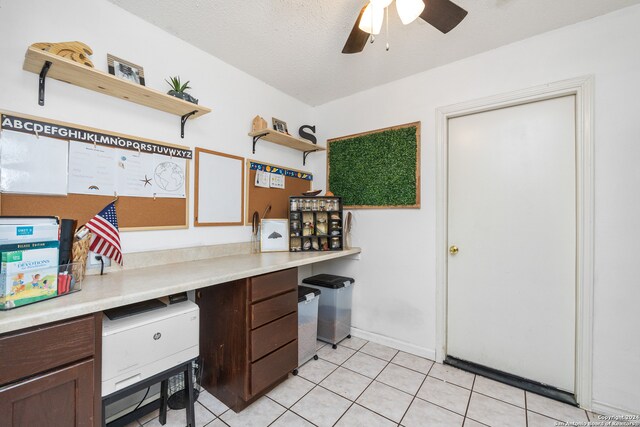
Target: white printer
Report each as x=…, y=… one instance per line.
x=139, y=346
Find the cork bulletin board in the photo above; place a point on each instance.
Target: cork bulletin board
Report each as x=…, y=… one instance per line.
x=258, y=198
x=134, y=213
x=379, y=169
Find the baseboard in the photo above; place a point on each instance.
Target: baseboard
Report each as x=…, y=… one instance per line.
x=394, y=343
x=607, y=409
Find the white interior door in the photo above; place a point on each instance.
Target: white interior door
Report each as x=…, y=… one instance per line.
x=511, y=288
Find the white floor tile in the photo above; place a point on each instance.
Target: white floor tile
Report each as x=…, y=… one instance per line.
x=291, y=390
x=378, y=350
x=366, y=365
x=335, y=355
x=385, y=400
x=495, y=412
x=353, y=342
x=346, y=383
x=452, y=375
x=537, y=420
x=212, y=403
x=322, y=407
x=149, y=417
x=421, y=414
x=178, y=418
x=411, y=361
x=260, y=413
x=216, y=423
x=499, y=391
x=320, y=344
x=447, y=395
x=401, y=378
x=554, y=409
x=290, y=419
x=316, y=370
x=468, y=422
x=357, y=416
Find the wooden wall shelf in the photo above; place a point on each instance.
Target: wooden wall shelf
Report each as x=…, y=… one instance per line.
x=286, y=140
x=49, y=65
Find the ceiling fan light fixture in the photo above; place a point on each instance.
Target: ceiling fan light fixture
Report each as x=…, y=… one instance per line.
x=371, y=21
x=409, y=10
x=381, y=3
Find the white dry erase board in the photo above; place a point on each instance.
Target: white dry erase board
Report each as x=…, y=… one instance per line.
x=219, y=186
x=31, y=164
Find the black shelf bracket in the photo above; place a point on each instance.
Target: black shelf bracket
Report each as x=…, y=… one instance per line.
x=256, y=139
x=43, y=76
x=183, y=120
x=305, y=154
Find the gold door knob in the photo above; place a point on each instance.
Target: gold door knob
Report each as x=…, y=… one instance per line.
x=453, y=250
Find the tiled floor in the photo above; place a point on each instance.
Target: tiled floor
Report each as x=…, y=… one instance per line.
x=367, y=384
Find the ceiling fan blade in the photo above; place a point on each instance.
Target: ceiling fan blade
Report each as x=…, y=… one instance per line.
x=357, y=38
x=443, y=14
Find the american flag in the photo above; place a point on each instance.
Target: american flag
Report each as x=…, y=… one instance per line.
x=107, y=238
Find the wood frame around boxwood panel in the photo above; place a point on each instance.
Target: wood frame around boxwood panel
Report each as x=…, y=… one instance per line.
x=417, y=168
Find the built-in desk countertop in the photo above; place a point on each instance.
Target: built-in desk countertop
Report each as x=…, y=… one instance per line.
x=130, y=286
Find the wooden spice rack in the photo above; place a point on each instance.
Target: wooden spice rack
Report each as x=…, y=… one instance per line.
x=47, y=64
x=285, y=140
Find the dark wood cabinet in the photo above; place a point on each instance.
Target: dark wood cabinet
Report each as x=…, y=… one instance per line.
x=248, y=335
x=50, y=375
x=62, y=397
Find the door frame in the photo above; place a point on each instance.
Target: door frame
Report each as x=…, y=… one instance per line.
x=583, y=90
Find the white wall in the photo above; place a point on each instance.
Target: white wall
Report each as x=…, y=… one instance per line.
x=234, y=96
x=395, y=290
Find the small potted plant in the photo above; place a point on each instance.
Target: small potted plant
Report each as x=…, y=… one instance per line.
x=178, y=89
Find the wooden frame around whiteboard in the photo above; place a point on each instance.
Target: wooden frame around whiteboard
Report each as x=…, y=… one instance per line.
x=196, y=223
x=131, y=210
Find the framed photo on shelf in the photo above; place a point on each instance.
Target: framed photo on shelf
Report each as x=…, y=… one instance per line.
x=125, y=70
x=279, y=125
x=274, y=235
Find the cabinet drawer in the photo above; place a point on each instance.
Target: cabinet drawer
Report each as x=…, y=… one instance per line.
x=273, y=336
x=273, y=308
x=40, y=349
x=271, y=284
x=268, y=370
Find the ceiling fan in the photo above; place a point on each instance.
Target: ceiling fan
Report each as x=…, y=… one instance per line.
x=442, y=14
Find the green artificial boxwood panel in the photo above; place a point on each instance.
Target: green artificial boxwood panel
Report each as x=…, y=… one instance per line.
x=376, y=169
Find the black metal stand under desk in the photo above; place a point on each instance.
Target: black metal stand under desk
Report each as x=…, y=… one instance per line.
x=163, y=378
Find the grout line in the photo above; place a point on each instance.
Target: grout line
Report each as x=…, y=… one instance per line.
x=413, y=398
x=411, y=369
x=370, y=384
x=526, y=412
x=476, y=421
x=500, y=400
x=466, y=411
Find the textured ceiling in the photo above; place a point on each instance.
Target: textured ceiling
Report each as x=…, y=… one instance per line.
x=295, y=45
